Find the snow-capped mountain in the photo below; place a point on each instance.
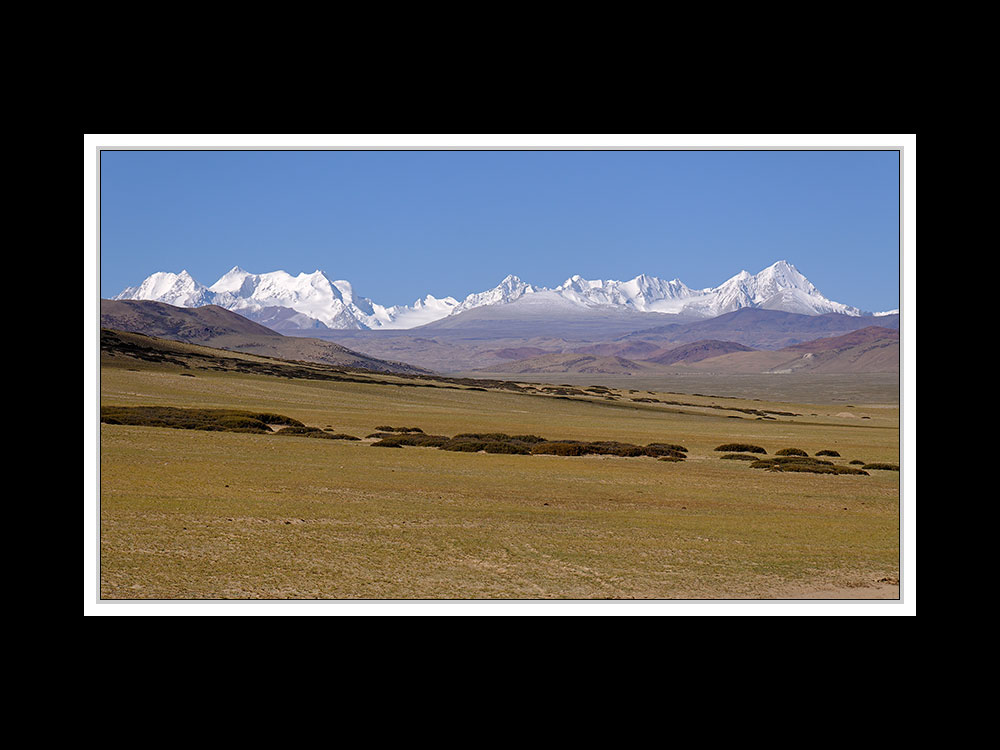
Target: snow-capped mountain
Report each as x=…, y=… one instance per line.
x=177, y=289
x=285, y=302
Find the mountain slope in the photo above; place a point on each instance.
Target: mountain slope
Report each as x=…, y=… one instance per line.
x=313, y=301
x=216, y=327
x=872, y=349
x=552, y=364
x=695, y=352
x=758, y=328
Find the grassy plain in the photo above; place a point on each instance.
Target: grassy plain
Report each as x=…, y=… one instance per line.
x=190, y=515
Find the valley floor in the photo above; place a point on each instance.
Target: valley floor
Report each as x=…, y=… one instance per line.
x=186, y=514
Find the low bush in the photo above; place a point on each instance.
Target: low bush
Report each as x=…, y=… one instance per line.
x=341, y=436
x=800, y=464
x=668, y=446
x=856, y=462
x=310, y=432
x=791, y=452
x=418, y=440
x=230, y=422
x=740, y=448
x=738, y=457
x=881, y=467
x=560, y=448
x=834, y=454
x=385, y=428
x=225, y=420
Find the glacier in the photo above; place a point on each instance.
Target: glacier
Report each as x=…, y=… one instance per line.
x=312, y=300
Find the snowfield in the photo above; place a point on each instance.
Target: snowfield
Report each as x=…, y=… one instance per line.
x=312, y=300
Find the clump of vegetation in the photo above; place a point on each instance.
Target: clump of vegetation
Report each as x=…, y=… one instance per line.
x=668, y=446
x=819, y=469
x=416, y=439
x=340, y=435
x=882, y=467
x=739, y=457
x=856, y=462
x=561, y=448
x=740, y=448
x=222, y=420
x=791, y=452
x=385, y=428
x=798, y=464
x=311, y=432
x=834, y=454
x=606, y=448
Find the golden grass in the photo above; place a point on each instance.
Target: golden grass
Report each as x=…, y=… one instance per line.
x=223, y=515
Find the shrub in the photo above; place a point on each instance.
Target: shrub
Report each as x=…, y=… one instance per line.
x=227, y=420
x=668, y=446
x=231, y=422
x=311, y=432
x=798, y=464
x=738, y=457
x=385, y=428
x=791, y=452
x=341, y=436
x=856, y=462
x=419, y=440
x=882, y=467
x=740, y=448
x=660, y=450
x=507, y=447
x=560, y=448
x=828, y=453
x=464, y=445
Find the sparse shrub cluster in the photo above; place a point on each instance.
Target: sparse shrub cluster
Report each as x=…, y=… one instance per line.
x=311, y=432
x=418, y=439
x=740, y=448
x=791, y=452
x=669, y=447
x=881, y=467
x=834, y=454
x=501, y=442
x=222, y=420
x=739, y=457
x=214, y=420
x=385, y=428
x=798, y=463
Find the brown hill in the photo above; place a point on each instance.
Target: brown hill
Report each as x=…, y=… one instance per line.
x=870, y=350
x=572, y=363
x=219, y=328
x=759, y=329
x=695, y=352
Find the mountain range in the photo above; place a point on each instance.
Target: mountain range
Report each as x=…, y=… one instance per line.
x=869, y=350
x=312, y=302
x=216, y=327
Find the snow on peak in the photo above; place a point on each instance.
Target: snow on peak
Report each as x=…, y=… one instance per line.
x=311, y=300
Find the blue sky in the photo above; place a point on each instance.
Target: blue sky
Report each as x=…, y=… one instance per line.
x=401, y=224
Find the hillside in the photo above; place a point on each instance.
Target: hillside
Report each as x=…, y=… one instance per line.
x=870, y=350
x=695, y=352
x=218, y=328
x=758, y=328
x=572, y=363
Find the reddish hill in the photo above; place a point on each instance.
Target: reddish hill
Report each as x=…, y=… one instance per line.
x=696, y=351
x=861, y=337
